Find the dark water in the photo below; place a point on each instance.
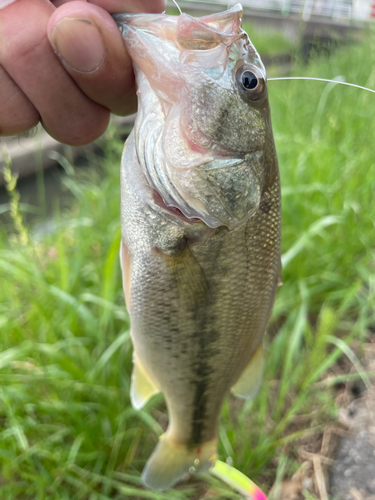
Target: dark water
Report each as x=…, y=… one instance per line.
x=44, y=193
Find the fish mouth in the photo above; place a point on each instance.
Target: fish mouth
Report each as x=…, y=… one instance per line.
x=172, y=210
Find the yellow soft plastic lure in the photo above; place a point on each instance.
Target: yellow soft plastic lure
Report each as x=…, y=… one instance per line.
x=238, y=481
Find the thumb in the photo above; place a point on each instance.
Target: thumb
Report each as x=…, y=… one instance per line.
x=89, y=45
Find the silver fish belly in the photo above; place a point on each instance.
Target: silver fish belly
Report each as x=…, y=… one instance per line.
x=200, y=216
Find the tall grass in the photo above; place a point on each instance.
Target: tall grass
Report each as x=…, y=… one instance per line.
x=67, y=429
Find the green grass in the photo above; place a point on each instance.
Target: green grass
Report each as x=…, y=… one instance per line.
x=268, y=41
x=67, y=430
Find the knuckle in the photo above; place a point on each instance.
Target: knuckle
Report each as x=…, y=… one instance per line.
x=18, y=119
x=80, y=132
x=16, y=128
x=18, y=114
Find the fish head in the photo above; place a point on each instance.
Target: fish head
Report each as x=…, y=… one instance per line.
x=202, y=92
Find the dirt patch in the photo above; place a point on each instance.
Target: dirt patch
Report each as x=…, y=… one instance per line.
x=353, y=472
x=339, y=463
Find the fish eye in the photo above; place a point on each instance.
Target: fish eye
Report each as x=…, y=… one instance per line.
x=251, y=82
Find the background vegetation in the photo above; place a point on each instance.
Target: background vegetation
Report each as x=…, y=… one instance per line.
x=67, y=430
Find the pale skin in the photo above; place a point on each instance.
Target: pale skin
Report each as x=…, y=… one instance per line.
x=63, y=63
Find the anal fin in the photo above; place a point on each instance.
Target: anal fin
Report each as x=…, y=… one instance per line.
x=142, y=385
x=250, y=380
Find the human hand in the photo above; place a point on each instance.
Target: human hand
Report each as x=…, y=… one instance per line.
x=64, y=63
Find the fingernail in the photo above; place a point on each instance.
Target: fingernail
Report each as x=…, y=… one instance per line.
x=78, y=44
x=4, y=3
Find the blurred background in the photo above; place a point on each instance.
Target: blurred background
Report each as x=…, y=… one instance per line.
x=67, y=430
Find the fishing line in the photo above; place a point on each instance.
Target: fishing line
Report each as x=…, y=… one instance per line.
x=176, y=4
x=321, y=80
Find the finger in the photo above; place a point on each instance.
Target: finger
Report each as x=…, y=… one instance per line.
x=90, y=46
x=130, y=6
x=4, y=3
x=58, y=3
x=17, y=113
x=27, y=56
x=119, y=6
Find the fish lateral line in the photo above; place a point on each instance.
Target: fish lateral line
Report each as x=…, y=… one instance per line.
x=320, y=80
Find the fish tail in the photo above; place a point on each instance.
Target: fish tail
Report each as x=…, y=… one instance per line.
x=171, y=460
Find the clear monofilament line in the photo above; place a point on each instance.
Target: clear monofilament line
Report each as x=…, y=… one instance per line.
x=176, y=4
x=320, y=80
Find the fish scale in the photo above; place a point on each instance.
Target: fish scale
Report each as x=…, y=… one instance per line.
x=199, y=290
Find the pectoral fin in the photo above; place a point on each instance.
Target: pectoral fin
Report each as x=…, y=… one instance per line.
x=249, y=382
x=142, y=386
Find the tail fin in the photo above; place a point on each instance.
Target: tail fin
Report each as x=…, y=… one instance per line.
x=170, y=461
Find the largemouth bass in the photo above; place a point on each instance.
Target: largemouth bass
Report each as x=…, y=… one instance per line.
x=200, y=216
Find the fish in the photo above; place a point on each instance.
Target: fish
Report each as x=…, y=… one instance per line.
x=200, y=223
